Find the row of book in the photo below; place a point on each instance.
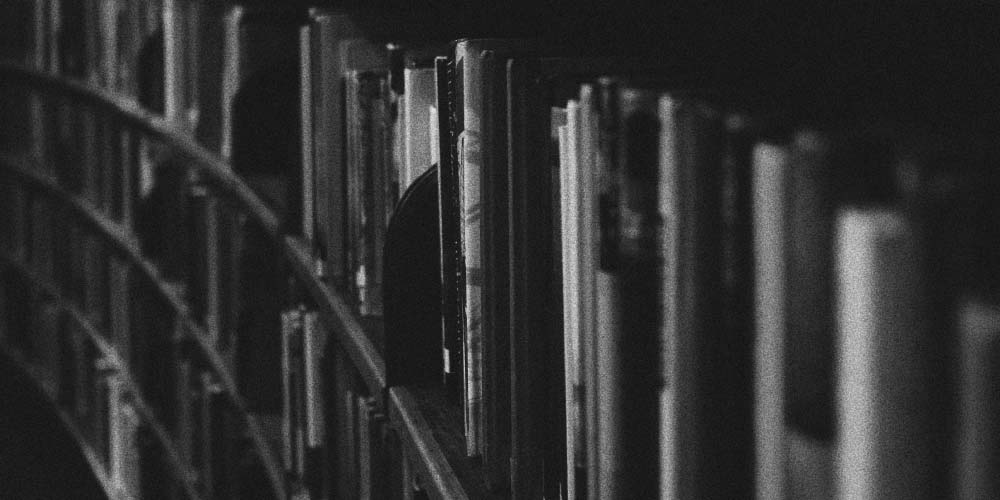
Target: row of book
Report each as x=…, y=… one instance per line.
x=720, y=274
x=643, y=284
x=770, y=302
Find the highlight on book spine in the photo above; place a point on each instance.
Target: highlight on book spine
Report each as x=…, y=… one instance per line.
x=770, y=163
x=884, y=381
x=570, y=294
x=418, y=124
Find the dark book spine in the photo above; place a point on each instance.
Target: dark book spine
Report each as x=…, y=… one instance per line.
x=634, y=357
x=809, y=362
x=607, y=289
x=496, y=289
x=451, y=295
x=536, y=453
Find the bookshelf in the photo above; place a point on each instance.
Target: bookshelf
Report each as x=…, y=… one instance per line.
x=623, y=251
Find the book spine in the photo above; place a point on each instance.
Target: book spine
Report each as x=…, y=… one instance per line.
x=355, y=172
x=883, y=353
x=419, y=85
x=451, y=238
x=314, y=338
x=468, y=79
x=307, y=130
x=589, y=263
x=568, y=290
x=364, y=448
x=496, y=265
x=634, y=362
x=288, y=319
x=809, y=360
x=769, y=181
x=231, y=69
x=978, y=437
x=607, y=289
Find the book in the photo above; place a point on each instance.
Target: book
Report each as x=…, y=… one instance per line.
x=467, y=138
x=328, y=27
x=631, y=353
x=123, y=422
x=314, y=338
x=769, y=183
x=884, y=352
x=589, y=262
x=420, y=96
x=364, y=447
x=809, y=273
x=535, y=318
x=368, y=163
x=696, y=371
x=292, y=367
x=306, y=110
x=978, y=323
x=452, y=310
x=572, y=290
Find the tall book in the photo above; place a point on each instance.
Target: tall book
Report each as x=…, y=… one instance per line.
x=452, y=310
x=589, y=263
x=123, y=423
x=885, y=353
x=769, y=185
x=364, y=448
x=535, y=311
x=327, y=29
x=809, y=351
x=368, y=163
x=631, y=354
x=419, y=92
x=704, y=358
x=293, y=445
x=978, y=463
x=307, y=108
x=468, y=137
x=180, y=59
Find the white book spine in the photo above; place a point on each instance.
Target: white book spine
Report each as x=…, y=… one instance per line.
x=420, y=94
x=671, y=398
x=173, y=60
x=568, y=285
x=230, y=75
x=881, y=352
x=434, y=134
x=770, y=162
